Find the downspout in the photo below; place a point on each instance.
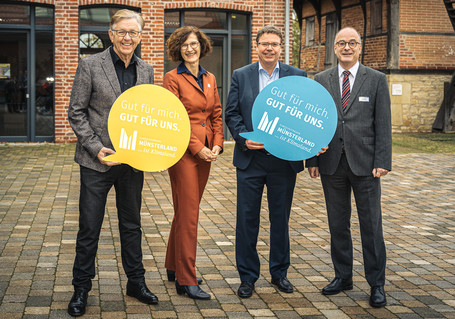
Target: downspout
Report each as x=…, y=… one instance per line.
x=286, y=31
x=364, y=9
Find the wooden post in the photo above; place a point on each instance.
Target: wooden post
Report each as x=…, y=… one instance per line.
x=446, y=124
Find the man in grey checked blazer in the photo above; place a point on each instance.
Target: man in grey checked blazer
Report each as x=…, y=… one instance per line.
x=358, y=155
x=99, y=80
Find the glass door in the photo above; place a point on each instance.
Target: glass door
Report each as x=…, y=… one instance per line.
x=14, y=87
x=215, y=63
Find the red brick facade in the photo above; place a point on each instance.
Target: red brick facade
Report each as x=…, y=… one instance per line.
x=152, y=49
x=416, y=50
x=426, y=37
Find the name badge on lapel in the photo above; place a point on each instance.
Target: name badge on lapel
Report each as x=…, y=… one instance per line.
x=208, y=84
x=364, y=99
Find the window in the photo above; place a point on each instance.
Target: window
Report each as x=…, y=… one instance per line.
x=14, y=14
x=331, y=30
x=376, y=17
x=94, y=27
x=90, y=43
x=231, y=36
x=26, y=72
x=309, y=32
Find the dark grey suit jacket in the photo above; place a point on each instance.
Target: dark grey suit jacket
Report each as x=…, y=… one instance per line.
x=95, y=89
x=244, y=90
x=364, y=127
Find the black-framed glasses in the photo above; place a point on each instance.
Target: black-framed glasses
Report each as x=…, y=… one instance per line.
x=194, y=45
x=271, y=44
x=122, y=33
x=352, y=44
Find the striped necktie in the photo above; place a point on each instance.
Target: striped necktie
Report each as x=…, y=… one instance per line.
x=346, y=89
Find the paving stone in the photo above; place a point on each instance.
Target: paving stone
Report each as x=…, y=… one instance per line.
x=39, y=190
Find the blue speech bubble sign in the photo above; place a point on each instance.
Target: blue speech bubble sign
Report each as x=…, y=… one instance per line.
x=294, y=117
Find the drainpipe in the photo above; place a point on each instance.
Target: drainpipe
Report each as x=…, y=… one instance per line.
x=286, y=31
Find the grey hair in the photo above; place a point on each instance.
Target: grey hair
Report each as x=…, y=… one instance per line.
x=126, y=14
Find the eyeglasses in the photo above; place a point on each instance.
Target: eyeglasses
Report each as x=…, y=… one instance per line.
x=194, y=45
x=267, y=44
x=342, y=44
x=123, y=33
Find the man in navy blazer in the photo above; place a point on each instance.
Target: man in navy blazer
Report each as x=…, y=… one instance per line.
x=256, y=168
x=358, y=155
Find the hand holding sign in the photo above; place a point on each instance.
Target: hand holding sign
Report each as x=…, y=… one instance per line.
x=294, y=117
x=149, y=128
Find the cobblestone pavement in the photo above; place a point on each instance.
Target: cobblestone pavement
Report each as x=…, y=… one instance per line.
x=39, y=186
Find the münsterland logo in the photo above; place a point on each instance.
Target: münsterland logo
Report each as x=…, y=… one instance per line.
x=266, y=125
x=128, y=143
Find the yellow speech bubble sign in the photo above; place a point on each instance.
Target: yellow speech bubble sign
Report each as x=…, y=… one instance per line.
x=149, y=128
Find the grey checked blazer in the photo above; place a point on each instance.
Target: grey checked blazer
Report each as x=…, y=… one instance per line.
x=364, y=127
x=95, y=89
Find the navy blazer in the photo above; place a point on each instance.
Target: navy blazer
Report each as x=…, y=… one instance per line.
x=244, y=90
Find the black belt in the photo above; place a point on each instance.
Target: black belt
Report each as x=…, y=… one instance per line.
x=264, y=151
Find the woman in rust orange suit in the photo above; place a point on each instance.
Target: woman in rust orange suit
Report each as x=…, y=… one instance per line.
x=197, y=90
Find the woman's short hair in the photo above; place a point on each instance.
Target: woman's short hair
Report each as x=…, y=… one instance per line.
x=126, y=14
x=179, y=36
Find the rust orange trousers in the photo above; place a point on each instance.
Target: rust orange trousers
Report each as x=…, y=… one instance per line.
x=188, y=179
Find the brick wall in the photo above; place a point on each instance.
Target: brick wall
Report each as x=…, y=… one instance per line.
x=427, y=38
x=424, y=16
x=426, y=42
x=152, y=48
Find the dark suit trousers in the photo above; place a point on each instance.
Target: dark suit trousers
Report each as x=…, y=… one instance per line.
x=95, y=187
x=367, y=194
x=188, y=179
x=280, y=179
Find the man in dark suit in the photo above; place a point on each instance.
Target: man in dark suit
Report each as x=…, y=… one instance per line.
x=99, y=80
x=256, y=168
x=358, y=155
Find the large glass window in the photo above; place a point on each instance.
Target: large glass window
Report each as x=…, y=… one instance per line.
x=26, y=72
x=206, y=19
x=44, y=100
x=94, y=27
x=231, y=36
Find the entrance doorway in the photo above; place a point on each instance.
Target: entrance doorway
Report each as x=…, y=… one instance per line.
x=14, y=90
x=26, y=73
x=230, y=35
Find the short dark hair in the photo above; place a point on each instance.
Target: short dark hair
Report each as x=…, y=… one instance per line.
x=269, y=29
x=179, y=36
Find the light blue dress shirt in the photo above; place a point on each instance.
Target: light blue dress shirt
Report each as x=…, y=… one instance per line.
x=265, y=78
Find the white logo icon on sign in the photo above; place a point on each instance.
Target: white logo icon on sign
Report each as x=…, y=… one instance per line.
x=127, y=142
x=266, y=125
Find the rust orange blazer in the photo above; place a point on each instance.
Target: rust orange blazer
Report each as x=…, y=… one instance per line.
x=203, y=107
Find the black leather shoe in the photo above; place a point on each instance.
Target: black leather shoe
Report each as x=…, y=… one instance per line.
x=78, y=302
x=283, y=284
x=377, y=297
x=246, y=289
x=337, y=285
x=194, y=292
x=141, y=292
x=171, y=276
